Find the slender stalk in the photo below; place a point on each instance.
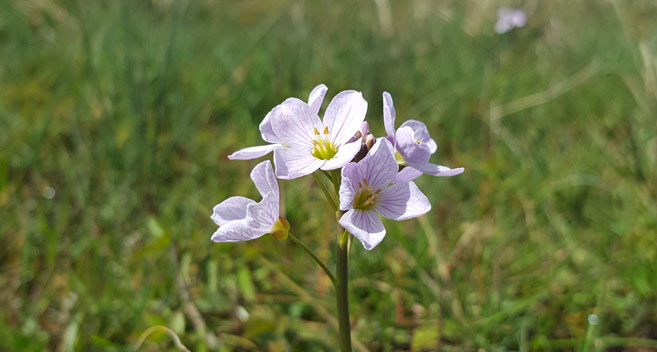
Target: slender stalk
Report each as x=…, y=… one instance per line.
x=327, y=194
x=342, y=290
x=342, y=270
x=312, y=254
x=335, y=174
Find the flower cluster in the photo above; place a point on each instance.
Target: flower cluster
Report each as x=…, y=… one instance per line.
x=376, y=177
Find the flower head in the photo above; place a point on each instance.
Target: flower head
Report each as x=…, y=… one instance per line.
x=413, y=144
x=310, y=143
x=508, y=19
x=242, y=219
x=315, y=100
x=369, y=188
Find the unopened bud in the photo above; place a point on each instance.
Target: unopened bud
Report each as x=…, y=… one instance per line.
x=361, y=153
x=364, y=129
x=369, y=141
x=280, y=229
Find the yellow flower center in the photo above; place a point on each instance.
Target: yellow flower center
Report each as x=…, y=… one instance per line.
x=323, y=148
x=365, y=198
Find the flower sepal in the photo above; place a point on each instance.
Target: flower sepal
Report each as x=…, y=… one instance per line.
x=281, y=229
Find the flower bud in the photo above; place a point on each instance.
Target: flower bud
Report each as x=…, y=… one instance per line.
x=369, y=141
x=361, y=153
x=361, y=134
x=280, y=229
x=364, y=130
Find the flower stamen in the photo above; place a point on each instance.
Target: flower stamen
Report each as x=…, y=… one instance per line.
x=323, y=148
x=365, y=198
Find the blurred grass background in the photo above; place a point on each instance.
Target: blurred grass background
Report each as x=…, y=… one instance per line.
x=116, y=118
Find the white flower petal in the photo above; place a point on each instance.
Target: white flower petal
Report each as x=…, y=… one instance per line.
x=346, y=153
x=316, y=98
x=438, y=170
x=261, y=216
x=295, y=162
x=365, y=226
x=388, y=114
x=294, y=123
x=266, y=131
x=254, y=152
x=432, y=145
x=346, y=192
x=407, y=174
x=235, y=231
x=379, y=166
x=402, y=201
x=231, y=209
x=264, y=179
x=345, y=115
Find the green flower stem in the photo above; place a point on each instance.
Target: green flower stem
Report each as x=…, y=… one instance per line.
x=312, y=254
x=342, y=289
x=327, y=194
x=337, y=180
x=342, y=265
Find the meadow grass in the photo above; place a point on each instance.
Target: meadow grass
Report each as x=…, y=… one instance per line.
x=128, y=109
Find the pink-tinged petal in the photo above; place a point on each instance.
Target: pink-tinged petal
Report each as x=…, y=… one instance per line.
x=231, y=209
x=261, y=216
x=346, y=193
x=352, y=171
x=316, y=98
x=266, y=131
x=412, y=151
x=344, y=115
x=421, y=133
x=438, y=170
x=365, y=226
x=254, y=152
x=407, y=174
x=379, y=167
x=388, y=114
x=294, y=123
x=402, y=201
x=364, y=128
x=236, y=231
x=295, y=162
x=351, y=176
x=264, y=179
x=345, y=154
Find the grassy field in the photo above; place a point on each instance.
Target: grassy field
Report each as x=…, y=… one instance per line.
x=116, y=118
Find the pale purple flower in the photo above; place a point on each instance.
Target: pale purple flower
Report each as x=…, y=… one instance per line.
x=315, y=100
x=242, y=219
x=413, y=144
x=369, y=189
x=508, y=19
x=310, y=143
